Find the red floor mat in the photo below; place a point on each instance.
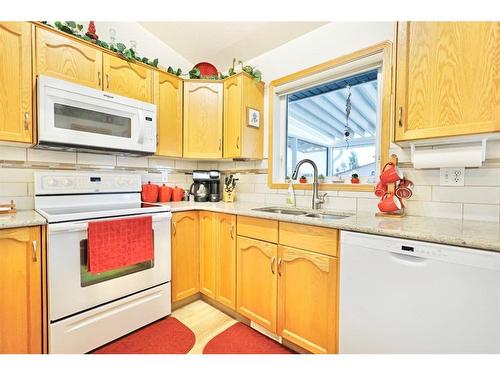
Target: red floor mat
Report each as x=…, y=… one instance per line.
x=241, y=339
x=166, y=336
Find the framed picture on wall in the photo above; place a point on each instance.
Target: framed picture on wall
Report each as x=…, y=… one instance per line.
x=253, y=117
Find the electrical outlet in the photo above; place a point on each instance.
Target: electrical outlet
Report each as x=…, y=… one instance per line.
x=452, y=176
x=164, y=177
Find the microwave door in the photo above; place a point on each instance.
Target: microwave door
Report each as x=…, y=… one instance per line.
x=70, y=118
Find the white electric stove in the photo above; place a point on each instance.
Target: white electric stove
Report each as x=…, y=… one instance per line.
x=88, y=310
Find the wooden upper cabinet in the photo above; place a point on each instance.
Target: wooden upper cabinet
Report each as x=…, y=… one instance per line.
x=448, y=79
x=203, y=103
x=62, y=57
x=16, y=115
x=208, y=252
x=185, y=255
x=307, y=299
x=225, y=291
x=256, y=293
x=241, y=94
x=127, y=78
x=168, y=99
x=20, y=291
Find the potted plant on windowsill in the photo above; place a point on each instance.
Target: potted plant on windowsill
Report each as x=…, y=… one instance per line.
x=354, y=178
x=321, y=178
x=303, y=180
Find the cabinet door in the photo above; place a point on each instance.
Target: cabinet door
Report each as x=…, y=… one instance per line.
x=127, y=79
x=20, y=291
x=185, y=255
x=203, y=119
x=208, y=243
x=15, y=80
x=168, y=98
x=62, y=57
x=225, y=291
x=233, y=109
x=256, y=295
x=448, y=79
x=307, y=299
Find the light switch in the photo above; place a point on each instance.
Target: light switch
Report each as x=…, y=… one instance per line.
x=452, y=176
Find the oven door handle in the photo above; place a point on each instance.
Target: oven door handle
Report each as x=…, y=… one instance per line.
x=83, y=226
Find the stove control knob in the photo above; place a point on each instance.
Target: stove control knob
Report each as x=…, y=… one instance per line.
x=50, y=182
x=66, y=182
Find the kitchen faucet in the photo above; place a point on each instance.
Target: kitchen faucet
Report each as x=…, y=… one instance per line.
x=317, y=200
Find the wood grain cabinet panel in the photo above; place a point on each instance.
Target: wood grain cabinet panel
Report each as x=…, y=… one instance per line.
x=208, y=252
x=309, y=237
x=185, y=255
x=127, y=78
x=260, y=229
x=307, y=299
x=20, y=291
x=256, y=295
x=16, y=115
x=241, y=93
x=448, y=79
x=168, y=98
x=62, y=57
x=203, y=104
x=225, y=291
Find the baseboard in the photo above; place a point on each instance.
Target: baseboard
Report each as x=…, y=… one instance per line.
x=186, y=301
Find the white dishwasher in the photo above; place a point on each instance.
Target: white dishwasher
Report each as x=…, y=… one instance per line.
x=402, y=296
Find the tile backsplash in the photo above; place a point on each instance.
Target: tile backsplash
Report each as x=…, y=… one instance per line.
x=479, y=199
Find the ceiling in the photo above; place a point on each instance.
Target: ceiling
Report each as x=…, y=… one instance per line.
x=219, y=42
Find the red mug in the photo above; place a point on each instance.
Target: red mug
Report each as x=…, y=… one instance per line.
x=390, y=174
x=404, y=189
x=380, y=189
x=165, y=193
x=389, y=203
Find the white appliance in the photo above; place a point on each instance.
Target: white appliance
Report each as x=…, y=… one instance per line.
x=88, y=310
x=402, y=296
x=75, y=117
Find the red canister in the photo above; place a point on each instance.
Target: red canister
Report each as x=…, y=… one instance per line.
x=165, y=193
x=149, y=192
x=177, y=194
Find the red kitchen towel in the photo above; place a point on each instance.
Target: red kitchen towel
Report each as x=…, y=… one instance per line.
x=119, y=243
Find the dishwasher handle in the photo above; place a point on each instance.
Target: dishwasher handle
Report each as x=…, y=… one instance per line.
x=408, y=258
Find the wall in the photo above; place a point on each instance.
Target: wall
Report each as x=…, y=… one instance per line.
x=478, y=200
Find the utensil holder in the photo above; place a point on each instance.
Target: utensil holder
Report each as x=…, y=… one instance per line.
x=228, y=196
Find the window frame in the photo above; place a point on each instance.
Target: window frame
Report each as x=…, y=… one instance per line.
x=385, y=49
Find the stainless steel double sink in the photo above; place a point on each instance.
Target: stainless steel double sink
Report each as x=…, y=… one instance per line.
x=297, y=212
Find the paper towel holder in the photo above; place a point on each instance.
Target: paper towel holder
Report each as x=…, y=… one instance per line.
x=482, y=141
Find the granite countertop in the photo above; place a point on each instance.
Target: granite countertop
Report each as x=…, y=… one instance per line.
x=22, y=218
x=475, y=234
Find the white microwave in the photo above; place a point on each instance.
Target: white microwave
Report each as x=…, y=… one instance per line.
x=78, y=118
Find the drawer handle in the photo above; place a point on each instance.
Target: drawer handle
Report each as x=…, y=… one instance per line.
x=279, y=267
x=400, y=117
x=35, y=257
x=26, y=120
x=273, y=259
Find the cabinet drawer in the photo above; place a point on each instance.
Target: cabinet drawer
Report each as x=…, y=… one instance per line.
x=309, y=237
x=261, y=229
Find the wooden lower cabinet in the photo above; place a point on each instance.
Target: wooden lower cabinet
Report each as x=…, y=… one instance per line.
x=208, y=252
x=307, y=299
x=225, y=290
x=256, y=285
x=20, y=291
x=185, y=255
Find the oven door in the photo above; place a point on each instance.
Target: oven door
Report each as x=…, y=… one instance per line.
x=72, y=289
x=74, y=116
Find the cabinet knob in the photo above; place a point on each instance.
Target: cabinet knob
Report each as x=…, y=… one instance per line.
x=35, y=257
x=26, y=120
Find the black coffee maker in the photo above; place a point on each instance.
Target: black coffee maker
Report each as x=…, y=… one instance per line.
x=200, y=188
x=214, y=186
